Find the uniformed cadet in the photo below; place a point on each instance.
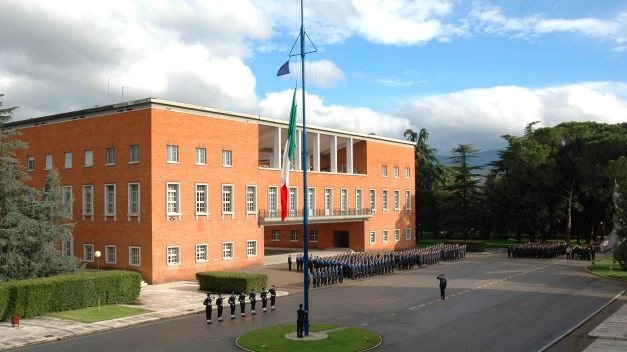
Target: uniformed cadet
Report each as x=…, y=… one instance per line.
x=264, y=299
x=272, y=297
x=219, y=303
x=442, y=285
x=242, y=304
x=252, y=296
x=232, y=304
x=207, y=304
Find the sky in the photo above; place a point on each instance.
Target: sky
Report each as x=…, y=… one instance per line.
x=467, y=71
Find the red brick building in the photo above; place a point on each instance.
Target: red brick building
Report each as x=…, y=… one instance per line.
x=170, y=189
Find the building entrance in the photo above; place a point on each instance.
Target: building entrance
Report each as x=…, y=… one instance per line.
x=340, y=239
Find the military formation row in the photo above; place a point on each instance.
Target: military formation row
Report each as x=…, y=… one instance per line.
x=536, y=250
x=241, y=298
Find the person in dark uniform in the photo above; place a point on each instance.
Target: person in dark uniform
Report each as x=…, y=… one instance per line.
x=219, y=304
x=442, y=285
x=301, y=317
x=232, y=304
x=272, y=297
x=252, y=296
x=242, y=304
x=264, y=299
x=289, y=262
x=207, y=304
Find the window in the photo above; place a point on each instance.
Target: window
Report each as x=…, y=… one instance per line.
x=88, y=200
x=251, y=199
x=373, y=237
x=133, y=199
x=48, y=162
x=227, y=158
x=294, y=236
x=133, y=156
x=173, y=255
x=272, y=201
x=227, y=199
x=384, y=170
x=30, y=163
x=344, y=201
x=227, y=250
x=201, y=156
x=172, y=154
x=89, y=158
x=109, y=200
x=384, y=236
x=397, y=235
x=276, y=235
x=407, y=172
x=110, y=156
x=328, y=201
x=67, y=160
x=373, y=200
x=396, y=172
x=173, y=199
x=408, y=199
x=358, y=209
x=67, y=201
x=292, y=201
x=311, y=201
x=408, y=234
x=202, y=253
x=67, y=249
x=110, y=254
x=397, y=200
x=384, y=200
x=202, y=204
x=134, y=256
x=88, y=252
x=251, y=248
x=313, y=235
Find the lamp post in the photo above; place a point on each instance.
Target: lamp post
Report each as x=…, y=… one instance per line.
x=97, y=254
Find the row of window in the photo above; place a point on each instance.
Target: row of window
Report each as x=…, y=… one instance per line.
x=384, y=171
x=173, y=199
x=173, y=253
x=313, y=235
x=172, y=156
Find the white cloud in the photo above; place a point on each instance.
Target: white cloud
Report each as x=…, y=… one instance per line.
x=322, y=73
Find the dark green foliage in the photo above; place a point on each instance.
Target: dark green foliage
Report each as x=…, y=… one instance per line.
x=225, y=281
x=620, y=255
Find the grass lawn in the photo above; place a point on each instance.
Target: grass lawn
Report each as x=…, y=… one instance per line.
x=273, y=340
x=606, y=267
x=94, y=314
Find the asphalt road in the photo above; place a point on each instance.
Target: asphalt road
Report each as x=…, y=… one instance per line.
x=493, y=304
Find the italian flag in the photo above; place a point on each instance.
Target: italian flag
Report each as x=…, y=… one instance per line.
x=288, y=159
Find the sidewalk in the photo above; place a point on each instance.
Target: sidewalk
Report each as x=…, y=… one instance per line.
x=183, y=298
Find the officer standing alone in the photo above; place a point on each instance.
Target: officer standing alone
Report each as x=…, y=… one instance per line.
x=301, y=317
x=442, y=285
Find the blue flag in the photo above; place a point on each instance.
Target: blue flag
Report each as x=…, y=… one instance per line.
x=284, y=69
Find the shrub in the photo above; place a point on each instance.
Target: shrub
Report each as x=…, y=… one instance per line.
x=620, y=255
x=225, y=281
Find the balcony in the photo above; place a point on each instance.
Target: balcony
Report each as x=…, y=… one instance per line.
x=316, y=216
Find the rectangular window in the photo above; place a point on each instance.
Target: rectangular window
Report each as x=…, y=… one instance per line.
x=173, y=199
x=408, y=234
x=292, y=200
x=109, y=199
x=328, y=201
x=67, y=160
x=133, y=199
x=408, y=199
x=88, y=200
x=397, y=235
x=202, y=253
x=201, y=156
x=172, y=154
x=397, y=200
x=251, y=248
x=313, y=235
x=227, y=158
x=293, y=236
x=89, y=158
x=384, y=170
x=134, y=256
x=384, y=199
x=384, y=236
x=272, y=201
x=110, y=254
x=67, y=247
x=251, y=199
x=373, y=237
x=48, y=162
x=373, y=200
x=311, y=201
x=396, y=172
x=343, y=201
x=227, y=199
x=407, y=172
x=173, y=255
x=110, y=156
x=67, y=201
x=227, y=250
x=276, y=235
x=88, y=252
x=30, y=163
x=358, y=205
x=133, y=156
x=202, y=204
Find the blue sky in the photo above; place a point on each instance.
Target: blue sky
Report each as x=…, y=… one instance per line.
x=467, y=71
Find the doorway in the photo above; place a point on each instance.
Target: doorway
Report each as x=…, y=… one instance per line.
x=340, y=239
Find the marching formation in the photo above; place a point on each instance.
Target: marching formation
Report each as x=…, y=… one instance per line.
x=536, y=250
x=241, y=298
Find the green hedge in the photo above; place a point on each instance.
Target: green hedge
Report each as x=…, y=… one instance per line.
x=226, y=281
x=34, y=297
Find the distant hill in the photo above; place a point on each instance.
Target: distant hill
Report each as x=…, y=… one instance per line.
x=482, y=158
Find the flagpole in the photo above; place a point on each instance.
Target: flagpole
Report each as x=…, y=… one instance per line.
x=305, y=163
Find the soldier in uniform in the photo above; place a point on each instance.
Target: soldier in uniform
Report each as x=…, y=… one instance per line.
x=272, y=297
x=232, y=305
x=264, y=299
x=242, y=304
x=442, y=285
x=301, y=317
x=219, y=302
x=289, y=262
x=252, y=296
x=207, y=304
